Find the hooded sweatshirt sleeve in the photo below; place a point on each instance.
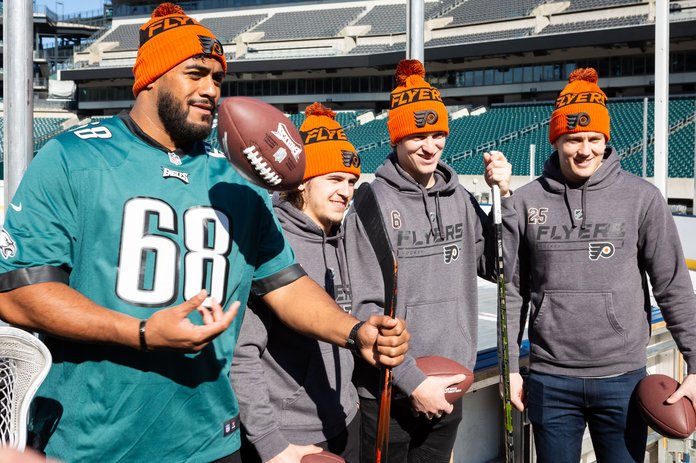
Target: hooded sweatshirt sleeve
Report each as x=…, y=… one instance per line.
x=251, y=387
x=368, y=295
x=516, y=263
x=661, y=254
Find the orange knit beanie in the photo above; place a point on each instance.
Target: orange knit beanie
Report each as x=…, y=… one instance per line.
x=416, y=106
x=326, y=147
x=580, y=107
x=169, y=38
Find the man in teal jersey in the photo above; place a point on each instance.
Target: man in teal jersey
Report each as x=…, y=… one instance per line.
x=134, y=234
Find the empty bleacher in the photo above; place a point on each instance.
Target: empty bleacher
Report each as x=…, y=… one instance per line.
x=478, y=11
x=482, y=37
x=594, y=24
x=227, y=28
x=377, y=48
x=307, y=24
x=385, y=19
x=127, y=36
x=580, y=5
x=44, y=128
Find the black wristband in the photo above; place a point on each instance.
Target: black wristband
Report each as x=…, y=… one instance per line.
x=141, y=331
x=352, y=341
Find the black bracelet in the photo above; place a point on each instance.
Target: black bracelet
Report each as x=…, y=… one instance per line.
x=143, y=342
x=352, y=341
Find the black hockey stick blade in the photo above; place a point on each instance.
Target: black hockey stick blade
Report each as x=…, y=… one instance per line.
x=369, y=212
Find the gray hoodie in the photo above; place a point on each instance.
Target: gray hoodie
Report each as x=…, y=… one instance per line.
x=438, y=234
x=583, y=253
x=293, y=389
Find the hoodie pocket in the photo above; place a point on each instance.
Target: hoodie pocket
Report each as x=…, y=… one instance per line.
x=318, y=394
x=577, y=327
x=426, y=319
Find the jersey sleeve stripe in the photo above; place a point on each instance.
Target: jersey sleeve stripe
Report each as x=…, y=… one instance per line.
x=277, y=280
x=32, y=275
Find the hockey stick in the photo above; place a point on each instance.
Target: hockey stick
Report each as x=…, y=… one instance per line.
x=367, y=208
x=503, y=352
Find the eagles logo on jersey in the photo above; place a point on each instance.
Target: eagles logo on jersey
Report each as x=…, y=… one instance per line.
x=601, y=249
x=451, y=253
x=8, y=248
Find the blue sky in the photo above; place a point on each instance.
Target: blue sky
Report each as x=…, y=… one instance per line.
x=72, y=6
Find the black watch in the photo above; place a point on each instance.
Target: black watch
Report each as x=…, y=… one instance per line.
x=352, y=341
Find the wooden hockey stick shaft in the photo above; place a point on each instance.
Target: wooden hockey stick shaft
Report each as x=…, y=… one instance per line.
x=503, y=351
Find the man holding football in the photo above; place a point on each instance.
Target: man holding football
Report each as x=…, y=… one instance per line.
x=135, y=272
x=274, y=365
x=443, y=241
x=582, y=239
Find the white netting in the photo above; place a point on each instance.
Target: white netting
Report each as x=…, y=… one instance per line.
x=24, y=363
x=8, y=368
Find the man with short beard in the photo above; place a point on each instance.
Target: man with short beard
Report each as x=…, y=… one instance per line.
x=131, y=246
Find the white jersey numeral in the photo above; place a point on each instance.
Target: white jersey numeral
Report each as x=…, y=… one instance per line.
x=93, y=132
x=148, y=269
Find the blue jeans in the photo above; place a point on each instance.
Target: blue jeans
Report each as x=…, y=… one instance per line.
x=560, y=406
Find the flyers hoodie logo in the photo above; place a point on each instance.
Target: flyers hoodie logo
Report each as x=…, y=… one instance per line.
x=451, y=253
x=601, y=249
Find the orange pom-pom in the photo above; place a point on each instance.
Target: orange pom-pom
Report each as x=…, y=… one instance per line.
x=587, y=74
x=165, y=9
x=317, y=109
x=408, y=68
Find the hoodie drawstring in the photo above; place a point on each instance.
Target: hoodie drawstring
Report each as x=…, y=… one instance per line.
x=329, y=274
x=438, y=213
x=584, y=205
x=436, y=225
x=567, y=202
x=583, y=202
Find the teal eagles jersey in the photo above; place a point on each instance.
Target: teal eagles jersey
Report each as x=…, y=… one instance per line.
x=137, y=229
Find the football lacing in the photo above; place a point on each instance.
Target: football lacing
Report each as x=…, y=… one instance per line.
x=261, y=167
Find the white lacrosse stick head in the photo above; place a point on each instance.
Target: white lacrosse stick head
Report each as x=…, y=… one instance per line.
x=24, y=364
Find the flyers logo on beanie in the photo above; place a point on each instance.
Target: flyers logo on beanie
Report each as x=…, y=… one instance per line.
x=578, y=119
x=210, y=45
x=350, y=158
x=425, y=117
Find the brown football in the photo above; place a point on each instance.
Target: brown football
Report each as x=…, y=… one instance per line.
x=677, y=420
x=322, y=457
x=442, y=366
x=261, y=142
